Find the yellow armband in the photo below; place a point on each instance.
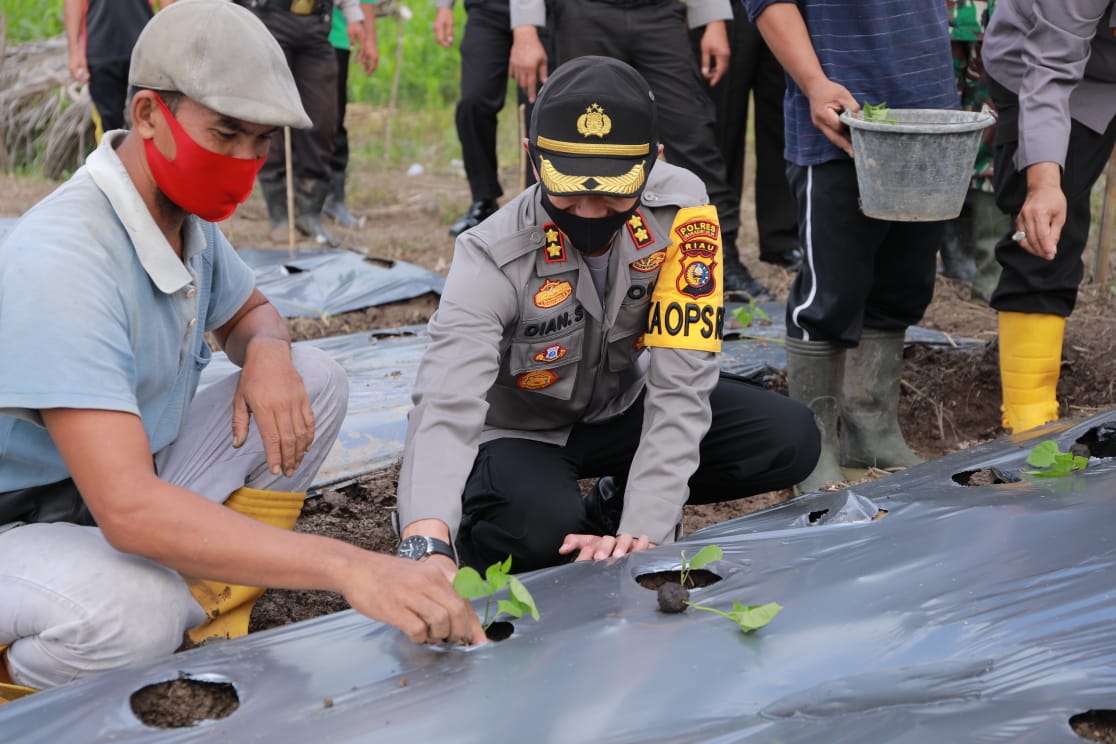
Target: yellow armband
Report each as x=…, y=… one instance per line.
x=687, y=306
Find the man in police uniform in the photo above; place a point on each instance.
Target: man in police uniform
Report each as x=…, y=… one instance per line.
x=577, y=336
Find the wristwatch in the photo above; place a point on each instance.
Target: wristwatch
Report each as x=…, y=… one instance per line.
x=418, y=547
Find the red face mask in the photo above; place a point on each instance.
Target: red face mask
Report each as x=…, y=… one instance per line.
x=201, y=182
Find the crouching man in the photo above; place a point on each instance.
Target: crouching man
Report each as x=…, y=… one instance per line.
x=133, y=510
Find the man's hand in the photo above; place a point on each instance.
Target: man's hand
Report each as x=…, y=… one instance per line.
x=79, y=68
x=827, y=100
x=443, y=26
x=527, y=62
x=715, y=52
x=1044, y=211
x=599, y=547
x=414, y=596
x=271, y=390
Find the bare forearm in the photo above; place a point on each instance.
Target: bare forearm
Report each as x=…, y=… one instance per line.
x=260, y=323
x=784, y=30
x=73, y=18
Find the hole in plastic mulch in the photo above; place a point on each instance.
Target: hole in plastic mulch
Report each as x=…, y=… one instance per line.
x=183, y=702
x=1100, y=441
x=698, y=578
x=500, y=630
x=985, y=477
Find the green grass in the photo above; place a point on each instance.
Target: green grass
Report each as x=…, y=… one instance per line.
x=29, y=20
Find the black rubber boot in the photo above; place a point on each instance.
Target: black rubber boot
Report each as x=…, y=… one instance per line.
x=740, y=285
x=870, y=435
x=310, y=195
x=275, y=197
x=814, y=373
x=334, y=206
x=478, y=212
x=604, y=504
x=788, y=258
x=957, y=249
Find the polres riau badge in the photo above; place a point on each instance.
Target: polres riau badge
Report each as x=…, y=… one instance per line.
x=594, y=122
x=696, y=279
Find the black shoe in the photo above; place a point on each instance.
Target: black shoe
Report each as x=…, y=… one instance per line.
x=478, y=213
x=604, y=503
x=741, y=285
x=788, y=259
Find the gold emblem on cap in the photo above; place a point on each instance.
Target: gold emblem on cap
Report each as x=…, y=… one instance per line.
x=594, y=122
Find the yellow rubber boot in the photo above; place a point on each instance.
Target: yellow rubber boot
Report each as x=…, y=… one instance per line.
x=228, y=606
x=9, y=690
x=1030, y=360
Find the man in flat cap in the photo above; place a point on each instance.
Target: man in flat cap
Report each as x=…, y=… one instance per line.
x=131, y=509
x=577, y=337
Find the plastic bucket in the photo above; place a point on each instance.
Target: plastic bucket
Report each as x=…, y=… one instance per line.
x=916, y=167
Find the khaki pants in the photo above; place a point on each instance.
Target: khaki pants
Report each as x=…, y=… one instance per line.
x=71, y=605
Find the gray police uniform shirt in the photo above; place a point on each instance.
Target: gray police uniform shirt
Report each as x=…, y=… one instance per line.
x=521, y=346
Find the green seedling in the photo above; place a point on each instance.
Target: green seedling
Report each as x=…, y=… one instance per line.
x=702, y=558
x=1047, y=455
x=746, y=617
x=748, y=314
x=469, y=584
x=877, y=112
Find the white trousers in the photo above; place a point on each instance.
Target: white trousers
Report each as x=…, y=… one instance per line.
x=71, y=605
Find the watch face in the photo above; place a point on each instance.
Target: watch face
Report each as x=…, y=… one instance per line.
x=414, y=547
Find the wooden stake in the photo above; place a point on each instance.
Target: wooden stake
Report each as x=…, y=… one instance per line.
x=290, y=191
x=1107, y=232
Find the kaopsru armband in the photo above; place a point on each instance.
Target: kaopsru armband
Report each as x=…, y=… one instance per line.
x=687, y=307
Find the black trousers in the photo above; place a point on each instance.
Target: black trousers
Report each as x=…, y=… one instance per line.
x=522, y=497
x=1029, y=284
x=313, y=63
x=485, y=47
x=339, y=159
x=652, y=38
x=108, y=89
x=752, y=67
x=857, y=271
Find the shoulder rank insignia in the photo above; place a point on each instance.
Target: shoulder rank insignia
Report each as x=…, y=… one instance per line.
x=637, y=228
x=555, y=245
x=552, y=292
x=536, y=380
x=594, y=122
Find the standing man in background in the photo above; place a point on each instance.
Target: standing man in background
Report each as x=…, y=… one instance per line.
x=302, y=29
x=1052, y=74
x=754, y=69
x=651, y=36
x=100, y=35
x=368, y=55
x=485, y=48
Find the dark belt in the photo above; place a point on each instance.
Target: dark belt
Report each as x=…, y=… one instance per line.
x=298, y=7
x=634, y=3
x=54, y=502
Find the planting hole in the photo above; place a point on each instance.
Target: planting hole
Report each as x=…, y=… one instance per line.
x=1095, y=725
x=183, y=702
x=699, y=577
x=500, y=630
x=816, y=515
x=985, y=477
x=1100, y=441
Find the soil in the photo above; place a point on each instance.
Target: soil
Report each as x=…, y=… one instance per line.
x=950, y=397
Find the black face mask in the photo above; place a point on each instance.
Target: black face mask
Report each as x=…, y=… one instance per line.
x=588, y=234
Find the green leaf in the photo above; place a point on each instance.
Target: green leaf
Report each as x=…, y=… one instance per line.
x=753, y=617
x=876, y=112
x=505, y=565
x=511, y=607
x=520, y=594
x=497, y=576
x=469, y=584
x=706, y=555
x=1043, y=454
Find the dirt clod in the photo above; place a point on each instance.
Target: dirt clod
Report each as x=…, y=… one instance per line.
x=673, y=597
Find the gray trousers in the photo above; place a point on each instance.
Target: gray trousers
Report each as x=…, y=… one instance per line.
x=71, y=605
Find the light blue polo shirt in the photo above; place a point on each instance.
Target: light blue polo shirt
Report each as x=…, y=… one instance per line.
x=97, y=311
